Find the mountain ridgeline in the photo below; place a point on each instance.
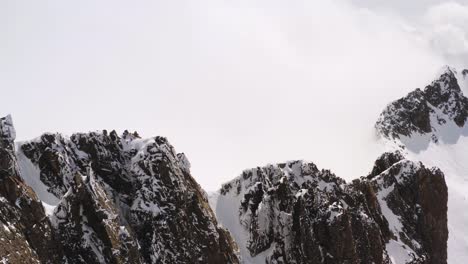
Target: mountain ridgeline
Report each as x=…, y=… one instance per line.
x=101, y=197
x=104, y=198
x=295, y=213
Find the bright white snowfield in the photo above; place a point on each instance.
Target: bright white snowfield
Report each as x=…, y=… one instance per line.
x=450, y=154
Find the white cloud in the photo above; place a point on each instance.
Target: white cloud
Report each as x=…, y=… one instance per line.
x=234, y=84
x=451, y=13
x=448, y=30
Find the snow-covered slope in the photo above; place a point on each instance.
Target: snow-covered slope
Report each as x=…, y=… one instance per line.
x=430, y=125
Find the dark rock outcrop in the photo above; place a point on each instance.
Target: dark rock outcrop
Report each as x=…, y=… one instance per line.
x=296, y=213
x=384, y=162
x=88, y=221
x=26, y=234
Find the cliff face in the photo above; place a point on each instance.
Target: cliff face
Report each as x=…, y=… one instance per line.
x=296, y=213
x=108, y=199
x=430, y=126
x=26, y=235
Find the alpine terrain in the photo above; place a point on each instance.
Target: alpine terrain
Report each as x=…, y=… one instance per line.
x=430, y=125
x=104, y=197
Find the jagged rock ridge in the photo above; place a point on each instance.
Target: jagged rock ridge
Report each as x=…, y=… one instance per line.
x=123, y=199
x=108, y=199
x=296, y=213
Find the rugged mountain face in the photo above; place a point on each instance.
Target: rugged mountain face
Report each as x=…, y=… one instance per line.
x=425, y=111
x=26, y=235
x=108, y=199
x=101, y=197
x=431, y=126
x=295, y=213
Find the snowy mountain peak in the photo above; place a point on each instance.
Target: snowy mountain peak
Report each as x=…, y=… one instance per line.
x=425, y=112
x=112, y=199
x=295, y=213
x=431, y=126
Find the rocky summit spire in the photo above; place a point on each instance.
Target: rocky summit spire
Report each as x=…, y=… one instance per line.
x=7, y=132
x=8, y=166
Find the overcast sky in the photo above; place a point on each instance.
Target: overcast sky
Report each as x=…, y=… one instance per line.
x=233, y=84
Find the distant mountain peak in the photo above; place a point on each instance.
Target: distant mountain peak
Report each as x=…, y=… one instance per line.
x=424, y=111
